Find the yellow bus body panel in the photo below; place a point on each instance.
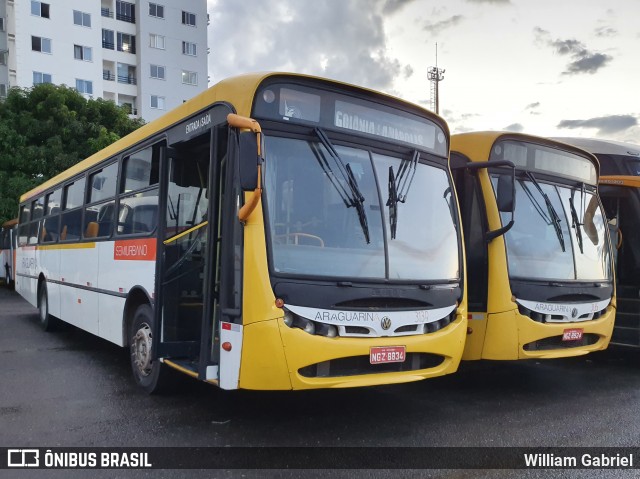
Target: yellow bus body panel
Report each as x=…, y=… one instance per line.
x=509, y=332
x=266, y=345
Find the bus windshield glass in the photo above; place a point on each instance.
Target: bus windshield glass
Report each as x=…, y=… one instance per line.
x=562, y=240
x=316, y=228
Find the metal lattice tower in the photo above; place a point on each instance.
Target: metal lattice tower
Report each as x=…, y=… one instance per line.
x=435, y=76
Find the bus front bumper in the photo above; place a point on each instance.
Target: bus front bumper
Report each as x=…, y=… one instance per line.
x=298, y=360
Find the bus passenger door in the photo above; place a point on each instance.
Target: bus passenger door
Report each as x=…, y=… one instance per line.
x=181, y=283
x=191, y=276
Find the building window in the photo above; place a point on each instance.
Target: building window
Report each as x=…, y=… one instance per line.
x=189, y=78
x=40, y=9
x=1, y=24
x=82, y=53
x=188, y=18
x=3, y=90
x=40, y=44
x=39, y=77
x=108, y=39
x=156, y=10
x=157, y=71
x=126, y=11
x=81, y=18
x=126, y=74
x=84, y=86
x=189, y=48
x=4, y=57
x=156, y=41
x=157, y=102
x=126, y=43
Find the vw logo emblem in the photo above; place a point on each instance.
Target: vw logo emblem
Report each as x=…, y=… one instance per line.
x=574, y=313
x=385, y=322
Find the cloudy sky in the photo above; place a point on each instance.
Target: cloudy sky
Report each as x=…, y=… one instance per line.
x=545, y=67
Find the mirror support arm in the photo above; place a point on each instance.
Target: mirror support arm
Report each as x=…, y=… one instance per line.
x=243, y=122
x=473, y=166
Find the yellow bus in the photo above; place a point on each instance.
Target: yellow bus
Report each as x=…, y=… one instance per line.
x=8, y=251
x=539, y=263
x=270, y=233
x=620, y=194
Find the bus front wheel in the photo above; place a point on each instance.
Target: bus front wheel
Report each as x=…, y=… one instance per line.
x=150, y=375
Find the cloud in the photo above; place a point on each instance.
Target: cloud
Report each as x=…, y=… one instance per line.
x=533, y=108
x=606, y=32
x=392, y=6
x=437, y=27
x=341, y=40
x=583, y=60
x=497, y=2
x=514, y=127
x=605, y=125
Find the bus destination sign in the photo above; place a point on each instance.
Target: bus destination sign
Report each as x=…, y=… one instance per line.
x=351, y=116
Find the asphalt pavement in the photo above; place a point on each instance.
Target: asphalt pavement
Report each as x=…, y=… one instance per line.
x=71, y=389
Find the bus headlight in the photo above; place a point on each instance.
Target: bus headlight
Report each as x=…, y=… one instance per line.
x=288, y=318
x=308, y=326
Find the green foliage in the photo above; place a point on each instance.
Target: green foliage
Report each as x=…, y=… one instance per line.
x=46, y=129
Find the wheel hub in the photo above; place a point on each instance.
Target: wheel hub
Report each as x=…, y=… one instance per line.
x=141, y=349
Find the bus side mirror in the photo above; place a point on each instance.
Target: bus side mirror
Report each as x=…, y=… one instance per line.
x=248, y=155
x=505, y=194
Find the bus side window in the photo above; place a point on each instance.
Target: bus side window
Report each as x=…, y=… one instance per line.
x=71, y=222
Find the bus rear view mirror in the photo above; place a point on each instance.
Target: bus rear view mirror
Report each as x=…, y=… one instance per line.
x=247, y=161
x=505, y=194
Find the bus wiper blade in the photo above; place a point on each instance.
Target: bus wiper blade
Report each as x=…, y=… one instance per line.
x=555, y=219
x=406, y=173
x=576, y=222
x=392, y=203
x=399, y=186
x=355, y=198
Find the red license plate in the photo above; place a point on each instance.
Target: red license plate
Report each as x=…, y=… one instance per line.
x=387, y=354
x=572, y=334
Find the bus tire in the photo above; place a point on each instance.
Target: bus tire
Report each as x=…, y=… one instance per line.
x=149, y=375
x=47, y=322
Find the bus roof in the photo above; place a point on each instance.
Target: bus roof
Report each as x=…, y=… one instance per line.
x=239, y=90
x=482, y=141
x=605, y=147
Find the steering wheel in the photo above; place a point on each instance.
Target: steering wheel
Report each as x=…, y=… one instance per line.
x=296, y=238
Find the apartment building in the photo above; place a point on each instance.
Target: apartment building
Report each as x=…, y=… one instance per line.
x=149, y=56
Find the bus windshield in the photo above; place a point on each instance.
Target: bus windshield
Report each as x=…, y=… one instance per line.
x=562, y=239
x=315, y=231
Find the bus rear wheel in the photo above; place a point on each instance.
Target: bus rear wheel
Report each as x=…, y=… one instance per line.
x=47, y=322
x=149, y=374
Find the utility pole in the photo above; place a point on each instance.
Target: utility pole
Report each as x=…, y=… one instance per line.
x=435, y=76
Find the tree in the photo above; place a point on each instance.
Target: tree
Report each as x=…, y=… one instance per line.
x=46, y=129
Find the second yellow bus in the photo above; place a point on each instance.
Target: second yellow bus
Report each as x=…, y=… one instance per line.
x=539, y=260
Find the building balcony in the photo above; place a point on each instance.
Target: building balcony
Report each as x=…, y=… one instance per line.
x=126, y=18
x=108, y=45
x=107, y=75
x=105, y=12
x=131, y=80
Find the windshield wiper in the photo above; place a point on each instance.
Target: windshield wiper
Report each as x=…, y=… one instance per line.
x=553, y=214
x=399, y=186
x=575, y=219
x=354, y=196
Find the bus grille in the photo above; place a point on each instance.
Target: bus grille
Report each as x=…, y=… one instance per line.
x=556, y=342
x=359, y=365
x=555, y=318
